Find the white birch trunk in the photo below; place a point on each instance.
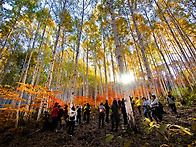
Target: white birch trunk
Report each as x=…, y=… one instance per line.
x=49, y=78
x=84, y=82
x=129, y=110
x=105, y=69
x=95, y=65
x=76, y=60
x=101, y=83
x=87, y=87
x=181, y=49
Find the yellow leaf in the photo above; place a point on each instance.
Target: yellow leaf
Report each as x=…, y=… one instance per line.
x=151, y=124
x=148, y=120
x=7, y=86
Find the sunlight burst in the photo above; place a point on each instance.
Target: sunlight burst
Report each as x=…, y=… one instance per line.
x=127, y=78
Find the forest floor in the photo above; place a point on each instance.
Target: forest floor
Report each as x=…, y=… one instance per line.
x=90, y=135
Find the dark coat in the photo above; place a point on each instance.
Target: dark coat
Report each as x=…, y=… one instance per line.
x=115, y=114
x=107, y=108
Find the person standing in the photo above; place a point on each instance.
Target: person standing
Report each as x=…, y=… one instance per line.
x=88, y=110
x=132, y=101
x=60, y=115
x=146, y=105
x=72, y=120
x=119, y=102
x=156, y=111
x=84, y=112
x=66, y=116
x=55, y=111
x=123, y=109
x=138, y=104
x=115, y=115
x=79, y=114
x=101, y=114
x=107, y=111
x=171, y=101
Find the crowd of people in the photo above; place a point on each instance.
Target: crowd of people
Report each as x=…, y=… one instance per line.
x=152, y=109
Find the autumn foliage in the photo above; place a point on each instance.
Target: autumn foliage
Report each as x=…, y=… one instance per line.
x=11, y=98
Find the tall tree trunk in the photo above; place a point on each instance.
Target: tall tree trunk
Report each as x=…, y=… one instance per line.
x=59, y=79
x=105, y=69
x=87, y=84
x=138, y=56
x=95, y=97
x=175, y=69
x=8, y=63
x=84, y=82
x=157, y=73
x=35, y=70
x=113, y=71
x=101, y=83
x=149, y=74
x=49, y=78
x=77, y=56
x=177, y=25
x=9, y=33
x=121, y=68
x=39, y=71
x=25, y=74
x=170, y=74
x=183, y=73
x=24, y=64
x=156, y=43
x=175, y=85
x=183, y=54
x=163, y=82
x=116, y=38
x=66, y=83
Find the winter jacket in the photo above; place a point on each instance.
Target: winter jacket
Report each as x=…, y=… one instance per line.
x=154, y=103
x=146, y=103
x=115, y=114
x=171, y=99
x=55, y=112
x=72, y=114
x=123, y=109
x=79, y=110
x=107, y=107
x=137, y=102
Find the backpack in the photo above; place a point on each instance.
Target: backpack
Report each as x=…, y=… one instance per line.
x=72, y=116
x=88, y=109
x=101, y=110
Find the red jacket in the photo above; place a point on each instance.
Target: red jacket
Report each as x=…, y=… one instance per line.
x=55, y=112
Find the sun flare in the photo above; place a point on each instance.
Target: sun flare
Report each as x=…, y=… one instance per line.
x=127, y=78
